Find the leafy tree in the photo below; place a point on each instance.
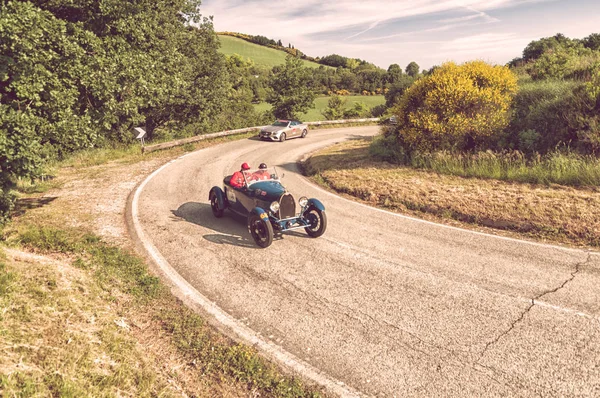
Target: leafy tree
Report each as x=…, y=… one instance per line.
x=536, y=48
x=394, y=72
x=335, y=108
x=333, y=60
x=457, y=106
x=573, y=61
x=291, y=93
x=352, y=64
x=592, y=41
x=75, y=74
x=359, y=109
x=397, y=89
x=412, y=69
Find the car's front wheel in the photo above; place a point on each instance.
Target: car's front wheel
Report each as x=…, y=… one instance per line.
x=317, y=222
x=282, y=137
x=261, y=230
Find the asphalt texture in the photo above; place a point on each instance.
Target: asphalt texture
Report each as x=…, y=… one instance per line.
x=387, y=304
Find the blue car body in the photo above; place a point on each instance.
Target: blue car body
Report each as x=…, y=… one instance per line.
x=268, y=202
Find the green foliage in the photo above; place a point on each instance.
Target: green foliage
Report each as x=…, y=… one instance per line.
x=76, y=75
x=456, y=106
x=412, y=69
x=6, y=279
x=291, y=93
x=113, y=266
x=397, y=89
x=564, y=168
x=592, y=41
x=574, y=61
x=378, y=110
x=189, y=333
x=358, y=110
x=334, y=60
x=394, y=73
x=537, y=48
x=335, y=108
x=559, y=112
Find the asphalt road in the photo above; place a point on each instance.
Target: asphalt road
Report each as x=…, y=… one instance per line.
x=388, y=305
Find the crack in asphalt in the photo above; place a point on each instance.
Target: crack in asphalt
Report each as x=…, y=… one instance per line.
x=532, y=303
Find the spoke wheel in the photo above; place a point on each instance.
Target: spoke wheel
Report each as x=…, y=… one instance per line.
x=261, y=230
x=214, y=205
x=282, y=137
x=304, y=132
x=317, y=222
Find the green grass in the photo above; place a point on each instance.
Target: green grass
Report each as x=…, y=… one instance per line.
x=261, y=55
x=34, y=296
x=559, y=167
x=314, y=114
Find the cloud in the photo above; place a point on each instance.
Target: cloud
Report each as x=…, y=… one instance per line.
x=368, y=29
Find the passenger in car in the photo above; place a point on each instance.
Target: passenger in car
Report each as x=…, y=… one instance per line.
x=262, y=173
x=237, y=179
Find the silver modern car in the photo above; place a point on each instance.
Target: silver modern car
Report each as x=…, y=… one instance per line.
x=282, y=130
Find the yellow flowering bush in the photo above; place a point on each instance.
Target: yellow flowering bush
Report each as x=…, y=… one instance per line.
x=455, y=107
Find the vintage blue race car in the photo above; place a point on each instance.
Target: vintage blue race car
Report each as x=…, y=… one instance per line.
x=270, y=209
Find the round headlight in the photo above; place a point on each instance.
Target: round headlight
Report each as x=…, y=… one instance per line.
x=303, y=201
x=274, y=207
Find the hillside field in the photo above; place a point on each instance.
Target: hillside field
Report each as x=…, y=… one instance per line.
x=263, y=56
x=314, y=114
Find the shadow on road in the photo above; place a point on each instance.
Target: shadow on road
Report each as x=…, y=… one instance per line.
x=231, y=229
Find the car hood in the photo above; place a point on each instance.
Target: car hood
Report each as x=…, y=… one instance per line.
x=268, y=190
x=272, y=129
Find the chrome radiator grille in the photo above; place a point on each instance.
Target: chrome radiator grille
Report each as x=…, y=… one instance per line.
x=287, y=206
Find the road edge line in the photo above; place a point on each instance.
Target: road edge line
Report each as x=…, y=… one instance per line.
x=197, y=301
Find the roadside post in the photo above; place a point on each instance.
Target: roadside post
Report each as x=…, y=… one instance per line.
x=139, y=134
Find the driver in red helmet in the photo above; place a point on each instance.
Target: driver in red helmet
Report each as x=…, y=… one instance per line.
x=237, y=179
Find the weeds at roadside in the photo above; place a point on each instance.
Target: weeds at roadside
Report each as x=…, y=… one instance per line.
x=559, y=167
x=118, y=275
x=557, y=213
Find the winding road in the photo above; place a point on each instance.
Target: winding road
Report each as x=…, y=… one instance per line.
x=382, y=304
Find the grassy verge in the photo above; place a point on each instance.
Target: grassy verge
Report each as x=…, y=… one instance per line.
x=71, y=326
x=554, y=213
x=80, y=315
x=559, y=167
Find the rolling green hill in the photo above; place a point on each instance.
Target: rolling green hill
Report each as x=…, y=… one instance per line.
x=314, y=114
x=262, y=56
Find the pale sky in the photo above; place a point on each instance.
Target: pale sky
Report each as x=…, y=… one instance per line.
x=428, y=32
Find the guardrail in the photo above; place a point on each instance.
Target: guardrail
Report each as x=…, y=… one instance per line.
x=183, y=141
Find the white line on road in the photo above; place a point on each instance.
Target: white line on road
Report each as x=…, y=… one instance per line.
x=241, y=330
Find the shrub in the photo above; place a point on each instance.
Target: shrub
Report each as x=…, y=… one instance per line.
x=378, y=110
x=335, y=108
x=455, y=107
x=561, y=112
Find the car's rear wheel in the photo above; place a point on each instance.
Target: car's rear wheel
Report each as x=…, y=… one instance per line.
x=317, y=222
x=282, y=137
x=304, y=132
x=214, y=205
x=261, y=230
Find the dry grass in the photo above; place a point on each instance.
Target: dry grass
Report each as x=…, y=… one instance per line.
x=554, y=213
x=80, y=315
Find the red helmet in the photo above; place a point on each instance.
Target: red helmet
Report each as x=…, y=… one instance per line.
x=245, y=166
